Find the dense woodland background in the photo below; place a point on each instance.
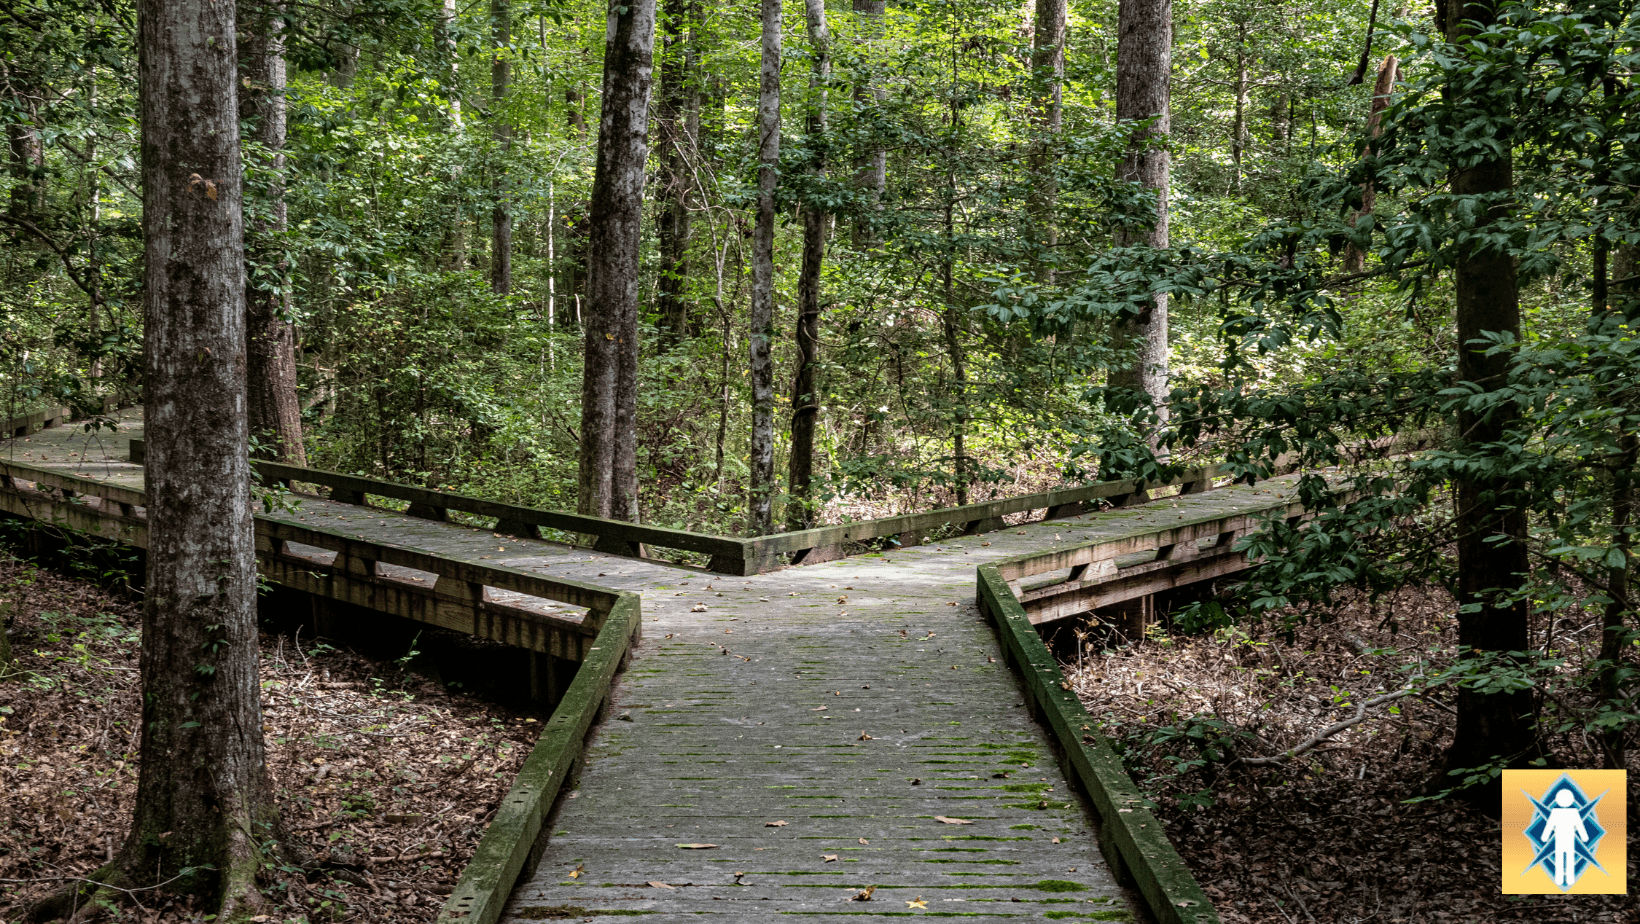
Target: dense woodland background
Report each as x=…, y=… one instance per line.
x=1361, y=220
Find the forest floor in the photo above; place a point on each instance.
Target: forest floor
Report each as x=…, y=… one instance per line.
x=1330, y=838
x=386, y=780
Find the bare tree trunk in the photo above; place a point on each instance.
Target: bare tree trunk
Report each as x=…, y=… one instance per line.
x=678, y=121
x=28, y=155
x=1491, y=531
x=760, y=503
x=608, y=479
x=445, y=42
x=871, y=169
x=1144, y=56
x=203, y=799
x=1238, y=131
x=805, y=396
x=1355, y=259
x=501, y=220
x=574, y=100
x=1281, y=121
x=1047, y=112
x=273, y=407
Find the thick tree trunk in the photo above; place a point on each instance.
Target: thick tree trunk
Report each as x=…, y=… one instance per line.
x=203, y=795
x=608, y=478
x=677, y=120
x=1144, y=60
x=1047, y=114
x=501, y=219
x=273, y=407
x=760, y=503
x=1491, y=529
x=871, y=167
x=1355, y=259
x=805, y=395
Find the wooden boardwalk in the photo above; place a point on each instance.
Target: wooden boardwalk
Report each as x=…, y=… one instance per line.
x=828, y=729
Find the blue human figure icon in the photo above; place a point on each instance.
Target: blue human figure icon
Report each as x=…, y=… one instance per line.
x=1564, y=830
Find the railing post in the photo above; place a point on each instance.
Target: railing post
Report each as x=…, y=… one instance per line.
x=428, y=512
x=511, y=527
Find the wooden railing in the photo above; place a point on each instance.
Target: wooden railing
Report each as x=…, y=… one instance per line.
x=24, y=424
x=479, y=599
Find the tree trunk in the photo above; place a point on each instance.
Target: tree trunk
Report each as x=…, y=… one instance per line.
x=273, y=407
x=678, y=121
x=1047, y=112
x=871, y=168
x=1238, y=131
x=444, y=42
x=203, y=799
x=760, y=503
x=1144, y=56
x=805, y=396
x=28, y=155
x=574, y=101
x=1355, y=259
x=501, y=220
x=608, y=476
x=1491, y=529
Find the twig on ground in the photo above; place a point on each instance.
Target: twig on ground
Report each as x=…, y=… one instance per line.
x=1321, y=736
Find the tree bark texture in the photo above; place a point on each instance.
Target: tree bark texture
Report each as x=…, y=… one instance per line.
x=760, y=503
x=273, y=406
x=608, y=475
x=1047, y=116
x=203, y=794
x=1355, y=259
x=1491, y=530
x=444, y=41
x=677, y=120
x=28, y=154
x=805, y=395
x=871, y=168
x=1144, y=61
x=501, y=219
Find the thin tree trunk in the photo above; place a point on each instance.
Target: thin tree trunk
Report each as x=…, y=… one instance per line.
x=1355, y=259
x=608, y=479
x=677, y=120
x=273, y=407
x=445, y=42
x=760, y=503
x=501, y=219
x=28, y=155
x=1047, y=114
x=1144, y=56
x=574, y=101
x=203, y=797
x=871, y=168
x=805, y=394
x=1238, y=131
x=1491, y=531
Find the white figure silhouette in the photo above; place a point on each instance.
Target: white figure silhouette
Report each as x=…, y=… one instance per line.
x=1565, y=828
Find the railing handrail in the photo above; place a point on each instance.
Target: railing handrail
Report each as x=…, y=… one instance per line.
x=575, y=593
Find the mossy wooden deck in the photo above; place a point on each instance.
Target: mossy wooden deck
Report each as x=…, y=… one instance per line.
x=854, y=701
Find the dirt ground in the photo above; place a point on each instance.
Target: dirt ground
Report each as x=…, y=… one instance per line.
x=385, y=779
x=1329, y=838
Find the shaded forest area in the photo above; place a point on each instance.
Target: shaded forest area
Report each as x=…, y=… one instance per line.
x=739, y=269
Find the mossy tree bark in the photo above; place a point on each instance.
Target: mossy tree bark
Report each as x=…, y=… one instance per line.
x=270, y=337
x=608, y=479
x=1047, y=115
x=204, y=803
x=1144, y=62
x=677, y=120
x=816, y=222
x=760, y=335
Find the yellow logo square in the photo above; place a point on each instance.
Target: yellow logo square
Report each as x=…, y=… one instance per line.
x=1565, y=832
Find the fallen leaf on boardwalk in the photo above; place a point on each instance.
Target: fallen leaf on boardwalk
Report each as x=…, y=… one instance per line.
x=851, y=587
x=902, y=633
x=774, y=824
x=985, y=543
x=577, y=871
x=919, y=903
x=696, y=846
x=952, y=821
x=818, y=709
x=743, y=658
x=950, y=604
x=864, y=841
x=1056, y=840
x=864, y=895
x=670, y=634
x=842, y=599
x=698, y=608
x=864, y=737
x=828, y=857
x=659, y=885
